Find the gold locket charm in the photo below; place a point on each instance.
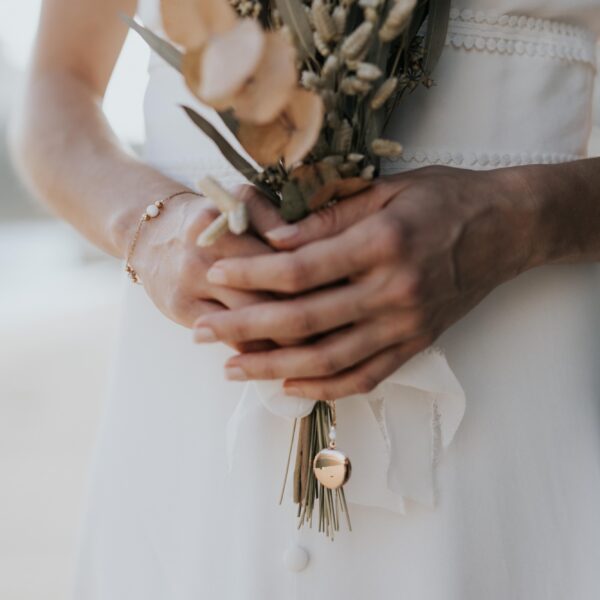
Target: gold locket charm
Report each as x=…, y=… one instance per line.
x=331, y=467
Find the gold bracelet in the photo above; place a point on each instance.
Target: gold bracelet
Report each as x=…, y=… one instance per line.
x=152, y=211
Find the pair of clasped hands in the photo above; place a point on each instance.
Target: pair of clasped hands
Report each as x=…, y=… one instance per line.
x=337, y=302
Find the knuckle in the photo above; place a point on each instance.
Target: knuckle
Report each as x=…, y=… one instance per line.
x=294, y=274
x=364, y=383
x=411, y=289
x=324, y=363
x=390, y=236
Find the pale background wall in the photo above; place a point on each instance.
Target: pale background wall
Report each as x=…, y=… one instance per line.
x=58, y=313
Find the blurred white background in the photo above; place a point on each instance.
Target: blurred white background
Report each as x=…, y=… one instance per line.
x=59, y=302
x=58, y=313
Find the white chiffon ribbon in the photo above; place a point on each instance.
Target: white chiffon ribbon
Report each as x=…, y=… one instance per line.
x=393, y=435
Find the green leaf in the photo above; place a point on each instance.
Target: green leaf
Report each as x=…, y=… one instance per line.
x=294, y=16
x=235, y=160
x=163, y=48
x=437, y=28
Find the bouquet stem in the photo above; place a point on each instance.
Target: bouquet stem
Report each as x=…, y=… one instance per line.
x=308, y=493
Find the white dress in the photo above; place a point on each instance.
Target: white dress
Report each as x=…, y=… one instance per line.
x=518, y=508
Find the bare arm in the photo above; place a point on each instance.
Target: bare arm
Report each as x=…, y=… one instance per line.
x=74, y=163
x=63, y=142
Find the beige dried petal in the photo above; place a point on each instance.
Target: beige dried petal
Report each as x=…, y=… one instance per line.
x=229, y=60
x=271, y=86
x=340, y=17
x=305, y=112
x=190, y=23
x=213, y=232
x=291, y=135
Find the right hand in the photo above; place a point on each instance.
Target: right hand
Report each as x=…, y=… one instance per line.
x=173, y=268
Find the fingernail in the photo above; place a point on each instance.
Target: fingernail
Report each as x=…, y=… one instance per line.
x=204, y=334
x=216, y=275
x=296, y=392
x=279, y=234
x=235, y=374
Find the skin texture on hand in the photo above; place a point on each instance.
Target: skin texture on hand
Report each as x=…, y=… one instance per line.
x=375, y=279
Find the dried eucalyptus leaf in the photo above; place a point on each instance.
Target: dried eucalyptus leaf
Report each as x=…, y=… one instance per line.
x=237, y=162
x=437, y=28
x=293, y=15
x=164, y=49
x=293, y=206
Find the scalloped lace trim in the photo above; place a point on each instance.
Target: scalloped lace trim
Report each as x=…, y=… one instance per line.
x=520, y=35
x=474, y=159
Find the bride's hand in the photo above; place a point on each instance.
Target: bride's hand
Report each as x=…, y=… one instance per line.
x=173, y=268
x=402, y=262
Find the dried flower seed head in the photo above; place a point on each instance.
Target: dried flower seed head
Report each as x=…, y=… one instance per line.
x=323, y=21
x=357, y=42
x=368, y=173
x=342, y=138
x=371, y=14
x=214, y=231
x=368, y=71
x=353, y=86
x=384, y=92
x=340, y=17
x=330, y=66
x=369, y=3
x=321, y=45
x=334, y=159
x=355, y=157
x=310, y=80
x=386, y=148
x=397, y=19
x=348, y=169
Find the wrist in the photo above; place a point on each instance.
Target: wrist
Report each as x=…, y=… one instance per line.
x=124, y=222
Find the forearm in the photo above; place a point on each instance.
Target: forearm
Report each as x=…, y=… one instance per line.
x=75, y=164
x=565, y=202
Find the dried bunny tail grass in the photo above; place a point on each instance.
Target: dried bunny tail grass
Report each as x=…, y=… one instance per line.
x=342, y=138
x=321, y=44
x=330, y=66
x=353, y=86
x=396, y=20
x=357, y=42
x=340, y=18
x=384, y=92
x=213, y=232
x=386, y=148
x=310, y=80
x=368, y=172
x=324, y=23
x=368, y=71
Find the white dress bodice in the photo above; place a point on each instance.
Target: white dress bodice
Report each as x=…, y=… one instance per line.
x=519, y=487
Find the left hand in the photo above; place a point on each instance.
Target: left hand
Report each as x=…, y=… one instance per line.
x=402, y=261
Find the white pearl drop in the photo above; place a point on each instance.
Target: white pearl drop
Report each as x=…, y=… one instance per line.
x=152, y=211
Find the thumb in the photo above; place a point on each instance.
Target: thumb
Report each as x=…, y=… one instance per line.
x=330, y=220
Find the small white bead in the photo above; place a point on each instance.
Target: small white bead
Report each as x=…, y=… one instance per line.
x=152, y=211
x=332, y=433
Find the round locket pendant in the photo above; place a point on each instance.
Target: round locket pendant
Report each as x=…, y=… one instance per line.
x=332, y=468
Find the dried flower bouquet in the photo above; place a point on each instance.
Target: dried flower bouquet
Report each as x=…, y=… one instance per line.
x=307, y=87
